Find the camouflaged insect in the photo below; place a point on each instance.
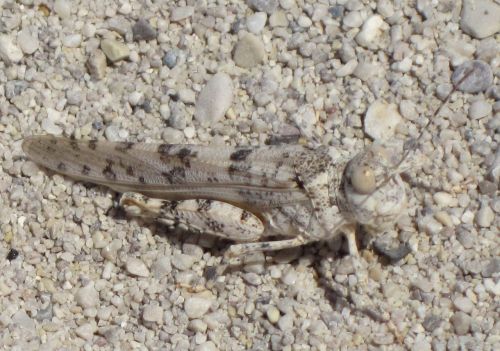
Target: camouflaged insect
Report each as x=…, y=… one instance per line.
x=244, y=194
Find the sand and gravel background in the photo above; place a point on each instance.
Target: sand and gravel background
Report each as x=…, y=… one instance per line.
x=77, y=274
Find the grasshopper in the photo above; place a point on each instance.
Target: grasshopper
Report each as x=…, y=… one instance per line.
x=245, y=194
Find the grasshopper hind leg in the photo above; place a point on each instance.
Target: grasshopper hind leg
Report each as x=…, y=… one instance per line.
x=211, y=217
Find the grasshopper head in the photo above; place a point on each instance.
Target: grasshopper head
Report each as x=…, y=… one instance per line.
x=374, y=192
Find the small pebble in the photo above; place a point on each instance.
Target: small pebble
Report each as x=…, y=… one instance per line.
x=432, y=322
x=256, y=22
x=62, y=8
x=289, y=277
x=480, y=109
x=206, y=346
x=86, y=331
x=21, y=319
x=371, y=31
x=27, y=42
x=444, y=199
x=480, y=18
x=136, y=267
x=96, y=64
x=214, y=100
x=273, y=314
x=182, y=261
x=461, y=322
x=353, y=19
x=142, y=30
x=170, y=59
x=187, y=96
x=196, y=307
x=492, y=287
x=463, y=304
x=278, y=19
x=180, y=13
x=249, y=51
x=9, y=52
x=162, y=267
x=485, y=216
x=491, y=268
x=114, y=50
x=480, y=78
x=381, y=120
x=267, y=6
x=72, y=40
x=285, y=323
x=87, y=296
x=153, y=313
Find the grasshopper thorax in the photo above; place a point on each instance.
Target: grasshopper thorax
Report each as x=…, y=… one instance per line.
x=374, y=193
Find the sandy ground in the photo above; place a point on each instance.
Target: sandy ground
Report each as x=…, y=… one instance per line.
x=77, y=274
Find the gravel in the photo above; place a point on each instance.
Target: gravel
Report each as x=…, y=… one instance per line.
x=78, y=274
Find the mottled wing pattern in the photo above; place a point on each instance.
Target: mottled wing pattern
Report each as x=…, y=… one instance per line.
x=254, y=178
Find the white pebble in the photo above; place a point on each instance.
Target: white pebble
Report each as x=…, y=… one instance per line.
x=491, y=286
x=179, y=13
x=444, y=199
x=306, y=119
x=72, y=40
x=206, y=346
x=187, y=96
x=485, y=216
x=9, y=52
x=50, y=127
x=86, y=331
x=182, y=261
x=189, y=132
x=285, y=323
x=371, y=30
x=385, y=8
x=480, y=18
x=353, y=19
x=62, y=8
x=480, y=109
x=153, y=313
x=162, y=267
x=87, y=296
x=273, y=314
x=136, y=267
x=289, y=277
x=196, y=307
x=381, y=120
x=135, y=98
x=304, y=21
x=347, y=69
x=27, y=42
x=256, y=22
x=214, y=100
x=463, y=304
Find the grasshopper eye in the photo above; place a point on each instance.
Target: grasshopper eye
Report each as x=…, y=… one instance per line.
x=363, y=180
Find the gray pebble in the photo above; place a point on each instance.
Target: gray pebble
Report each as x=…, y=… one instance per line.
x=74, y=97
x=142, y=30
x=206, y=346
x=170, y=58
x=432, y=322
x=491, y=268
x=214, y=100
x=336, y=11
x=479, y=80
x=461, y=322
x=485, y=216
x=86, y=331
x=21, y=319
x=268, y=6
x=162, y=267
x=249, y=51
x=87, y=296
x=252, y=278
x=96, y=65
x=136, y=267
